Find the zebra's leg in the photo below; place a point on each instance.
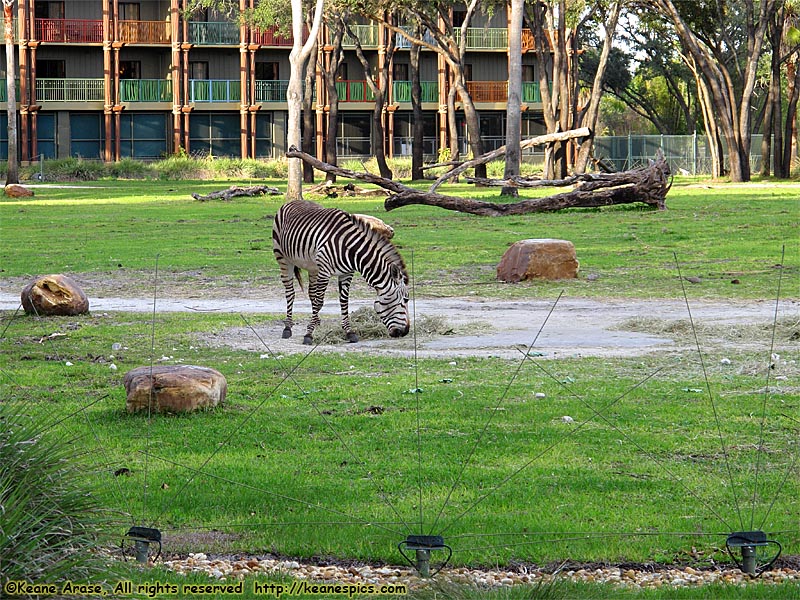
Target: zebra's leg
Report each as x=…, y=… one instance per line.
x=316, y=293
x=344, y=301
x=288, y=288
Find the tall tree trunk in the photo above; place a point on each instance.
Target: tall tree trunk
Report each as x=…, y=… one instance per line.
x=335, y=58
x=513, y=105
x=11, y=71
x=418, y=124
x=309, y=116
x=790, y=131
x=766, y=136
x=452, y=124
x=294, y=93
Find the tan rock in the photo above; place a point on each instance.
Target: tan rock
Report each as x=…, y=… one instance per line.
x=15, y=190
x=376, y=224
x=54, y=295
x=174, y=388
x=538, y=258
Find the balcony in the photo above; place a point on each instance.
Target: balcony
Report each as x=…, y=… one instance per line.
x=488, y=91
x=144, y=32
x=271, y=90
x=219, y=33
x=401, y=41
x=401, y=91
x=484, y=38
x=354, y=91
x=69, y=30
x=271, y=38
x=145, y=90
x=530, y=92
x=215, y=90
x=70, y=90
x=366, y=34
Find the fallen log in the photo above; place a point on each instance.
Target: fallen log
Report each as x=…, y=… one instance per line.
x=648, y=185
x=235, y=191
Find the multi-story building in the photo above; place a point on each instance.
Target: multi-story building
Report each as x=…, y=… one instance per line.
x=109, y=79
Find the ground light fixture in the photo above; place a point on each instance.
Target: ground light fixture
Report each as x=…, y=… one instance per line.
x=137, y=542
x=748, y=543
x=423, y=546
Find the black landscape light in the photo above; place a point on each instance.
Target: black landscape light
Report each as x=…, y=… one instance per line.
x=423, y=545
x=141, y=538
x=748, y=542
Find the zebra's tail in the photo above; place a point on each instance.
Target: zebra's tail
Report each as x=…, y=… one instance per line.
x=299, y=277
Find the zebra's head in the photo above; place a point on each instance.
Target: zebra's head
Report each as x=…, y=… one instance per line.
x=392, y=302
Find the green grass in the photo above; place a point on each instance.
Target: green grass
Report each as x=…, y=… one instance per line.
x=349, y=454
x=110, y=231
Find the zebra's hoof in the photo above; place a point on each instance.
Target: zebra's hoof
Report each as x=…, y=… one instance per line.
x=308, y=340
x=287, y=333
x=352, y=337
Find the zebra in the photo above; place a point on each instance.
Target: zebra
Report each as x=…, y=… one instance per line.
x=327, y=242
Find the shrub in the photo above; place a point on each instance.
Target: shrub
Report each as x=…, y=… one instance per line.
x=49, y=520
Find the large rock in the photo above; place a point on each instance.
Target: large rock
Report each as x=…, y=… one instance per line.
x=544, y=259
x=15, y=190
x=174, y=388
x=54, y=295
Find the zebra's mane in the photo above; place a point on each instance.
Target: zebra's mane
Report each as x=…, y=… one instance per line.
x=392, y=254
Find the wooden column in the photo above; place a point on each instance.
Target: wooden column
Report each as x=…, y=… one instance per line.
x=175, y=72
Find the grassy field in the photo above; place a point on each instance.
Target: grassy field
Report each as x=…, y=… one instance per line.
x=334, y=455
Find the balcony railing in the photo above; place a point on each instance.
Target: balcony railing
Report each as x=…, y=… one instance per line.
x=354, y=91
x=69, y=30
x=484, y=38
x=402, y=42
x=488, y=91
x=404, y=146
x=530, y=91
x=144, y=32
x=271, y=90
x=4, y=92
x=215, y=33
x=401, y=91
x=271, y=38
x=70, y=90
x=366, y=34
x=215, y=90
x=145, y=90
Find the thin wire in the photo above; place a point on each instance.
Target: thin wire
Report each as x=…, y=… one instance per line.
x=492, y=414
x=378, y=487
x=766, y=390
x=275, y=494
x=151, y=390
x=710, y=394
x=417, y=391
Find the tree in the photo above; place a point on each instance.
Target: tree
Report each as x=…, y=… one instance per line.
x=11, y=71
x=513, y=106
x=708, y=33
x=332, y=60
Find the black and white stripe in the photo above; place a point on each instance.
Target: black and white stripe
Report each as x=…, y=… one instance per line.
x=327, y=242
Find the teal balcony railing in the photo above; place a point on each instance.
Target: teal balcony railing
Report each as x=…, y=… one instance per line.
x=485, y=38
x=215, y=90
x=215, y=33
x=4, y=92
x=530, y=91
x=366, y=34
x=402, y=42
x=271, y=90
x=145, y=90
x=70, y=90
x=354, y=91
x=401, y=91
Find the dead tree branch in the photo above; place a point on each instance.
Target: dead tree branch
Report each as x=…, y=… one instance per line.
x=235, y=191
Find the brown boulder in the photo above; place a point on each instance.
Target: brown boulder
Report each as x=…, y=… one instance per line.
x=544, y=259
x=15, y=190
x=174, y=388
x=54, y=295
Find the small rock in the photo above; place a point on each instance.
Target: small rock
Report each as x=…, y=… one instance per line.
x=567, y=419
x=725, y=361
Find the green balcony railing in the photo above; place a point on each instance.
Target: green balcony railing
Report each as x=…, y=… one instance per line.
x=484, y=38
x=354, y=91
x=401, y=91
x=145, y=90
x=213, y=33
x=4, y=92
x=530, y=91
x=271, y=90
x=366, y=34
x=215, y=90
x=70, y=90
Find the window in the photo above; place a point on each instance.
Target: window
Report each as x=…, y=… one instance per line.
x=528, y=73
x=86, y=134
x=341, y=72
x=267, y=71
x=198, y=69
x=468, y=72
x=51, y=69
x=400, y=72
x=49, y=10
x=458, y=17
x=130, y=69
x=128, y=11
x=143, y=135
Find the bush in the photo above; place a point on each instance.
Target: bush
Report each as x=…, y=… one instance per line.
x=71, y=169
x=49, y=520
